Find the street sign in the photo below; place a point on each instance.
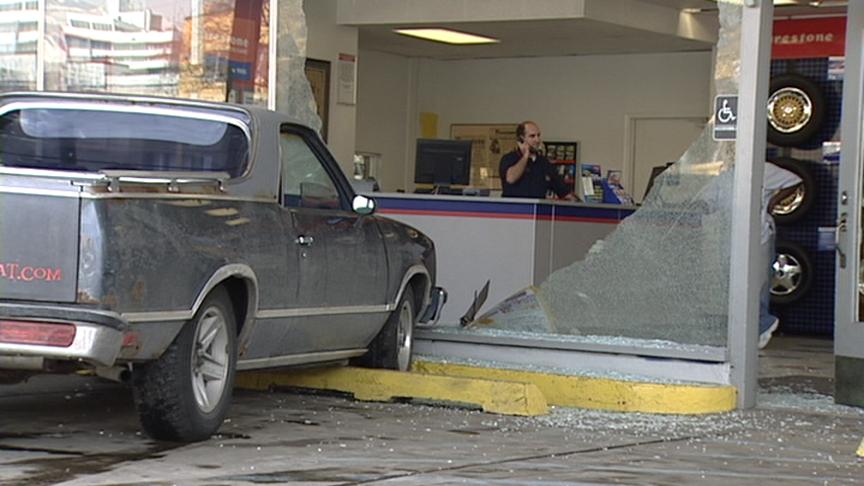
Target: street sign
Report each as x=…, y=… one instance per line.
x=725, y=117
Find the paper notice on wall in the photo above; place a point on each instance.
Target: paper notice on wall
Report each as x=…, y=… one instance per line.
x=428, y=125
x=587, y=187
x=346, y=91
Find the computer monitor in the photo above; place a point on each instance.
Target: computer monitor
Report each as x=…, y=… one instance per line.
x=443, y=162
x=655, y=173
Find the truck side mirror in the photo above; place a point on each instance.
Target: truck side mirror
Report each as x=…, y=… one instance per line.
x=363, y=205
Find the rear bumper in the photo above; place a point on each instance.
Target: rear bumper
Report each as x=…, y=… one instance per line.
x=98, y=334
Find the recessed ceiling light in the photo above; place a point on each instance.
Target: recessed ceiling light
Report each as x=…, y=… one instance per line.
x=447, y=36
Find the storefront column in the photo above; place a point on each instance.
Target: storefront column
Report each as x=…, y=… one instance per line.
x=746, y=267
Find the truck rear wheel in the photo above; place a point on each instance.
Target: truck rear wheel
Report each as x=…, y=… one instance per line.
x=185, y=394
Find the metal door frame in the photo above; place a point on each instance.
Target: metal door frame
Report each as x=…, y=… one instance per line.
x=848, y=328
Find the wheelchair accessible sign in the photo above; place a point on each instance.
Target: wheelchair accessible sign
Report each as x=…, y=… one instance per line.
x=725, y=117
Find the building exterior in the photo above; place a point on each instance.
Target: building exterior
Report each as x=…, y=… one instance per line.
x=206, y=49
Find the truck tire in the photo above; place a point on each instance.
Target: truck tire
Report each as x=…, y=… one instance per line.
x=184, y=395
x=392, y=348
x=796, y=110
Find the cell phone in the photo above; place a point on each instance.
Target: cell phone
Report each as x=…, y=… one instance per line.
x=531, y=149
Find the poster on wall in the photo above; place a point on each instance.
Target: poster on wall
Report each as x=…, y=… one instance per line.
x=318, y=74
x=489, y=143
x=347, y=88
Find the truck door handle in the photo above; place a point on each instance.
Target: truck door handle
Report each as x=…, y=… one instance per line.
x=304, y=240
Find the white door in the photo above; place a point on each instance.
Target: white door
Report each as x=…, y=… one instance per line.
x=848, y=313
x=656, y=141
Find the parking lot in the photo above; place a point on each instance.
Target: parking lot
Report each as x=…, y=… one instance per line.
x=57, y=430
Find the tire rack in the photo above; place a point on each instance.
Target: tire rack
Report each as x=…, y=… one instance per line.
x=813, y=313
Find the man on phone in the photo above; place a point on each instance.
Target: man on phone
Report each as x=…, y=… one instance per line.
x=526, y=172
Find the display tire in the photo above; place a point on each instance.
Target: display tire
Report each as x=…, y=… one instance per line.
x=185, y=394
x=796, y=110
x=392, y=348
x=795, y=206
x=792, y=273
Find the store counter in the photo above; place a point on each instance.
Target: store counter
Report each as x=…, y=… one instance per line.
x=512, y=242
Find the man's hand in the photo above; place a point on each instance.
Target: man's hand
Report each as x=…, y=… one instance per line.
x=524, y=149
x=567, y=197
x=514, y=173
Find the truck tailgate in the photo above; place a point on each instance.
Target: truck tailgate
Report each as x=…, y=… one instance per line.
x=39, y=238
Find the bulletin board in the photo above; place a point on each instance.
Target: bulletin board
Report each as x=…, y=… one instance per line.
x=318, y=74
x=490, y=141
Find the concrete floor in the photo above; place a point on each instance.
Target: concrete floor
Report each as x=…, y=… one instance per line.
x=85, y=432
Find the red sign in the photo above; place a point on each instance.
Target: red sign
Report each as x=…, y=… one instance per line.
x=803, y=38
x=245, y=36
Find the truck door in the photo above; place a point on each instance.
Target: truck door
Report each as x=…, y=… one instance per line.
x=343, y=269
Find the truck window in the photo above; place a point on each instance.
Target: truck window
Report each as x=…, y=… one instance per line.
x=305, y=182
x=94, y=140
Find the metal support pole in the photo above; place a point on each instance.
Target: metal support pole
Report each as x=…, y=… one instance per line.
x=746, y=266
x=272, y=57
x=40, y=45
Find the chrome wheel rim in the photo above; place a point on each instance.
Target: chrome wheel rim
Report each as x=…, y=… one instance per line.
x=788, y=273
x=789, y=110
x=210, y=359
x=404, y=336
x=790, y=203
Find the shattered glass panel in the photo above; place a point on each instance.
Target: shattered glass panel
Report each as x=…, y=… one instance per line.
x=664, y=273
x=293, y=93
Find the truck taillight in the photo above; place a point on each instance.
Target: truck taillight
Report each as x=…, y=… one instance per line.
x=41, y=333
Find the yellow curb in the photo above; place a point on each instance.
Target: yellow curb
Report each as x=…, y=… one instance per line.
x=860, y=451
x=602, y=393
x=501, y=397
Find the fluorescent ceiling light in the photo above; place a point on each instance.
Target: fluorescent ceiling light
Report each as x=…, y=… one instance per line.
x=447, y=36
x=781, y=3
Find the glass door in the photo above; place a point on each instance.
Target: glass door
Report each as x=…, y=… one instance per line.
x=849, y=312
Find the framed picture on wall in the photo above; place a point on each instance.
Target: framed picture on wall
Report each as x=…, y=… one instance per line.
x=489, y=142
x=318, y=74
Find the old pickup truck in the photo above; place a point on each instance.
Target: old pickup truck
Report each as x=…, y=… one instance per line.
x=170, y=243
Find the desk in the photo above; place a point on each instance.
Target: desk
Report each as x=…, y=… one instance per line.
x=512, y=242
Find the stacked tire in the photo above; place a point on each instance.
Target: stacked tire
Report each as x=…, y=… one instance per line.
x=796, y=115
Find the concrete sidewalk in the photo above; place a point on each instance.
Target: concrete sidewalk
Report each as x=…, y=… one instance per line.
x=89, y=435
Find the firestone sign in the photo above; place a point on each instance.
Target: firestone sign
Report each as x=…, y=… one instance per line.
x=806, y=38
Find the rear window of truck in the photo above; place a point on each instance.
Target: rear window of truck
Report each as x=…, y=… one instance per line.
x=92, y=140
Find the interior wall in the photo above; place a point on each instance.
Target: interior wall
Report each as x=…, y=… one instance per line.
x=385, y=119
x=583, y=98
x=326, y=40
